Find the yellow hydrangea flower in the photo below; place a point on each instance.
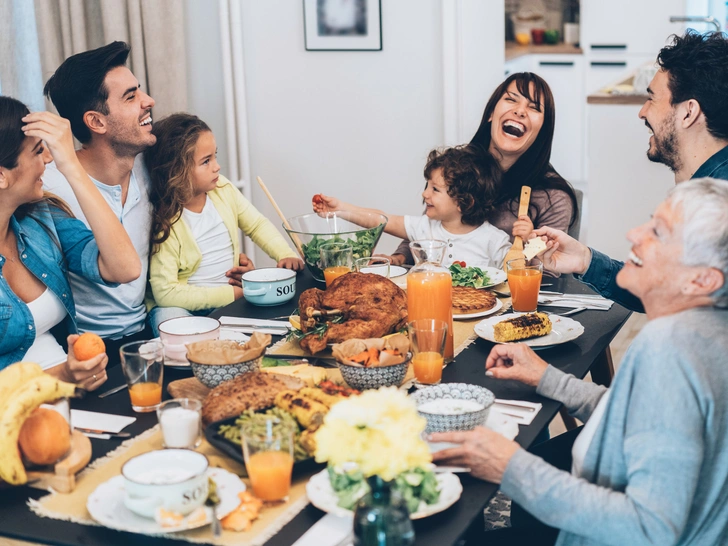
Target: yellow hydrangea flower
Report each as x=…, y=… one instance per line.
x=380, y=431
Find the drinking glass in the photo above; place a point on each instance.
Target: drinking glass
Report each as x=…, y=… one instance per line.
x=268, y=452
x=427, y=337
x=336, y=260
x=376, y=265
x=143, y=365
x=524, y=280
x=181, y=422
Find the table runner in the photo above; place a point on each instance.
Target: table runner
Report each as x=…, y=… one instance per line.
x=72, y=506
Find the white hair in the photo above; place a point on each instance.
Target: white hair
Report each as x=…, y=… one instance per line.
x=703, y=206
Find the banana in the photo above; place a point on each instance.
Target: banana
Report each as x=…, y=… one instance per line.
x=12, y=377
x=16, y=410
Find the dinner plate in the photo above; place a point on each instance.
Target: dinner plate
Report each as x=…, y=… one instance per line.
x=464, y=316
x=322, y=496
x=563, y=329
x=225, y=333
x=495, y=275
x=106, y=506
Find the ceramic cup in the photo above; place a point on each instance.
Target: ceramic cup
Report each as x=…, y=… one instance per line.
x=269, y=286
x=173, y=479
x=177, y=332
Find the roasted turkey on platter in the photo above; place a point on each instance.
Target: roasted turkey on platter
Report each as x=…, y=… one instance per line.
x=367, y=305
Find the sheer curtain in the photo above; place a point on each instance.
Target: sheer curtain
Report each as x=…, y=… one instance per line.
x=35, y=37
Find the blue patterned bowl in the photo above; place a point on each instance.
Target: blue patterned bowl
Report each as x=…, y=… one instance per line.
x=444, y=422
x=373, y=377
x=211, y=375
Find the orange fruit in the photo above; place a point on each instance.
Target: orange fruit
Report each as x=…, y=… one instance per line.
x=44, y=437
x=88, y=345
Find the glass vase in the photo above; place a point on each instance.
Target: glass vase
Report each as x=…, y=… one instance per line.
x=381, y=517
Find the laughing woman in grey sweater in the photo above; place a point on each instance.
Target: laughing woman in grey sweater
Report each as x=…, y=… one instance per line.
x=651, y=463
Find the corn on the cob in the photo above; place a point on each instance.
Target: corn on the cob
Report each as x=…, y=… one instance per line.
x=320, y=396
x=309, y=413
x=523, y=327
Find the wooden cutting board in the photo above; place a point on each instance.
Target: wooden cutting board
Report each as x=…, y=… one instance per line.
x=190, y=387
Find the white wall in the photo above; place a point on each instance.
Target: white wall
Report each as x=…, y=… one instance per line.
x=357, y=125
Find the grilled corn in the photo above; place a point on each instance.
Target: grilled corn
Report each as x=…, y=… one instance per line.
x=320, y=396
x=308, y=412
x=523, y=327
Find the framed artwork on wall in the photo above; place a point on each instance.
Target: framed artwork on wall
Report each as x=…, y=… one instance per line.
x=342, y=25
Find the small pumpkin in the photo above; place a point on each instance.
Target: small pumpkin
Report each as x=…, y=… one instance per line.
x=45, y=437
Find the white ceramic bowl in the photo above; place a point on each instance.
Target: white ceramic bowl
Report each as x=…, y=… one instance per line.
x=177, y=332
x=269, y=286
x=173, y=479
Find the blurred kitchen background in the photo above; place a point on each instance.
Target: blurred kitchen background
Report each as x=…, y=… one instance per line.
x=359, y=124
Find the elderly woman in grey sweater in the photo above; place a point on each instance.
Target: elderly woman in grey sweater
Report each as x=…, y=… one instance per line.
x=651, y=464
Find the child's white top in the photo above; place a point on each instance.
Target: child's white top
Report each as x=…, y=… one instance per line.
x=485, y=246
x=214, y=242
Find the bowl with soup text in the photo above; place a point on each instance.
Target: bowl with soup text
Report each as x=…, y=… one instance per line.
x=269, y=286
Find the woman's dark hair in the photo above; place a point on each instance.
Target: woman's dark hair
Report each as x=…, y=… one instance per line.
x=78, y=85
x=170, y=163
x=533, y=168
x=471, y=181
x=697, y=68
x=12, y=138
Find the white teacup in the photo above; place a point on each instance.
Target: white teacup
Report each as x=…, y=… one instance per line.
x=174, y=479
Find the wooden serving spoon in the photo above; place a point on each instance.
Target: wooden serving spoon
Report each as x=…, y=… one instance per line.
x=516, y=250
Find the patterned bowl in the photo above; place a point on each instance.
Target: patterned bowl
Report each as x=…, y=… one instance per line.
x=446, y=422
x=361, y=378
x=211, y=375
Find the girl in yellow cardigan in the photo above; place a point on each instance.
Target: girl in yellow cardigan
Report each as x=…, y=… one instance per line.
x=196, y=261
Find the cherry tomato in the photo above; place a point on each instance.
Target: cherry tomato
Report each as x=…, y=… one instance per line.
x=461, y=264
x=317, y=199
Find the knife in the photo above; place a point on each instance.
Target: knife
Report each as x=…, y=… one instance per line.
x=113, y=391
x=103, y=433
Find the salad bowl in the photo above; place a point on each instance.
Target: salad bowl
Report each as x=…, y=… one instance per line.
x=311, y=231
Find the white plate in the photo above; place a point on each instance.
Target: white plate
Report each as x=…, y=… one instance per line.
x=225, y=333
x=496, y=276
x=106, y=505
x=564, y=329
x=396, y=271
x=496, y=307
x=322, y=496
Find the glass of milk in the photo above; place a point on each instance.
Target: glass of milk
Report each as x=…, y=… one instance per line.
x=181, y=423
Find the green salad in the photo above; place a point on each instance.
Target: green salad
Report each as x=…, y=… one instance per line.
x=473, y=277
x=415, y=486
x=361, y=245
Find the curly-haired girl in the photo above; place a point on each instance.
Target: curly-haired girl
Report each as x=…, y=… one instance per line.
x=459, y=198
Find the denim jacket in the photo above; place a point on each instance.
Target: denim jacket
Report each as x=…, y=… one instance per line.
x=50, y=244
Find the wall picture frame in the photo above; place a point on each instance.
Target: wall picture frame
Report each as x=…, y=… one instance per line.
x=342, y=25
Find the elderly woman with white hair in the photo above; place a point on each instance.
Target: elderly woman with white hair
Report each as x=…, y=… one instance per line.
x=651, y=463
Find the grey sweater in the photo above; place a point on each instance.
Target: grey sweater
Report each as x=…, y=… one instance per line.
x=656, y=471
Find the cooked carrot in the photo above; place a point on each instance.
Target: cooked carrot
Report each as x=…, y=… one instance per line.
x=361, y=358
x=373, y=357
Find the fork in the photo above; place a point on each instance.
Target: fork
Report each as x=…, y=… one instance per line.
x=567, y=313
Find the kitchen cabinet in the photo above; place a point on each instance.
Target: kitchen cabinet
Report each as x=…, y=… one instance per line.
x=604, y=70
x=564, y=74
x=628, y=26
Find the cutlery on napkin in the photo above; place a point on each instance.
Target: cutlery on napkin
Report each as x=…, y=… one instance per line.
x=99, y=425
x=588, y=301
x=249, y=325
x=522, y=412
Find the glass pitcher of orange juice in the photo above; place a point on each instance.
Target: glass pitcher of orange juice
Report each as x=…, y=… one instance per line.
x=429, y=287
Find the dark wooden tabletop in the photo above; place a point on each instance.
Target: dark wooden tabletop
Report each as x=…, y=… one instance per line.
x=576, y=357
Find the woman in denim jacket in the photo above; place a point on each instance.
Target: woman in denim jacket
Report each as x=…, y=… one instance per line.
x=40, y=241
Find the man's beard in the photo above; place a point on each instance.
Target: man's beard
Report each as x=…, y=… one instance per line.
x=127, y=142
x=665, y=148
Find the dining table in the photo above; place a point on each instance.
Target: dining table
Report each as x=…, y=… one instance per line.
x=451, y=526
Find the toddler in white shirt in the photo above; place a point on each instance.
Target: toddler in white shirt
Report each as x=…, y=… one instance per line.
x=458, y=199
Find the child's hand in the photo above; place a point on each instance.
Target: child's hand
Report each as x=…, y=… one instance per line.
x=296, y=264
x=323, y=203
x=523, y=227
x=238, y=292
x=394, y=259
x=235, y=274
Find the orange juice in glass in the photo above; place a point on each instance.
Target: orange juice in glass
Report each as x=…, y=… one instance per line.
x=336, y=260
x=428, y=339
x=524, y=280
x=143, y=365
x=429, y=288
x=268, y=452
